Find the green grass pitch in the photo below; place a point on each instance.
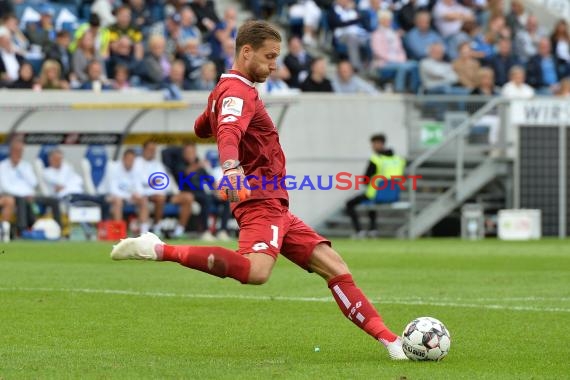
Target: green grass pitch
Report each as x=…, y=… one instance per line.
x=68, y=311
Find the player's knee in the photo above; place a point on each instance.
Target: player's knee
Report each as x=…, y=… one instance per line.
x=326, y=262
x=258, y=277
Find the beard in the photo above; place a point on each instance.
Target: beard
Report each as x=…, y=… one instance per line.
x=259, y=74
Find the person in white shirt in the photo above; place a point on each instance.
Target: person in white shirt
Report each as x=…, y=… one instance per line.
x=18, y=180
x=7, y=205
x=449, y=17
x=60, y=178
x=148, y=166
x=124, y=186
x=516, y=88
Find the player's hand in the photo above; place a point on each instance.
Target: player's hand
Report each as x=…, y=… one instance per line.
x=235, y=187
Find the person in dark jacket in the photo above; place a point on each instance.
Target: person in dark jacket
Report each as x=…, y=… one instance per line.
x=541, y=70
x=317, y=81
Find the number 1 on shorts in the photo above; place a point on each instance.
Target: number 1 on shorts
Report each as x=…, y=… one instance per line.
x=273, y=241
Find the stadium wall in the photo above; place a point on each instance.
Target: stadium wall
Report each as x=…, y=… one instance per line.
x=321, y=134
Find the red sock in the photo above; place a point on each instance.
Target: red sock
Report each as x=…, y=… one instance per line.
x=217, y=261
x=356, y=307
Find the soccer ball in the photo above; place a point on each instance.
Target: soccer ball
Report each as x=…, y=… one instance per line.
x=426, y=338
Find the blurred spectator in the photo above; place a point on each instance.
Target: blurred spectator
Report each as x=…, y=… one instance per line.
x=311, y=15
x=498, y=26
x=483, y=46
x=346, y=25
x=18, y=180
x=208, y=77
x=485, y=83
x=188, y=28
x=516, y=88
x=19, y=40
x=192, y=164
x=25, y=77
x=421, y=37
x=518, y=17
x=406, y=16
x=176, y=76
x=438, y=76
x=105, y=10
x=466, y=67
x=84, y=54
x=346, y=82
x=502, y=61
x=7, y=205
x=275, y=84
x=389, y=56
x=124, y=186
x=123, y=27
x=170, y=29
x=123, y=55
x=50, y=76
x=42, y=33
x=370, y=14
x=469, y=32
x=227, y=56
x=6, y=7
x=140, y=14
x=60, y=178
x=146, y=166
x=564, y=88
x=206, y=13
x=10, y=61
x=225, y=30
x=541, y=70
x=298, y=62
x=192, y=58
x=156, y=64
x=449, y=16
x=526, y=40
x=101, y=34
x=60, y=52
x=560, y=40
x=96, y=81
x=317, y=80
x=121, y=78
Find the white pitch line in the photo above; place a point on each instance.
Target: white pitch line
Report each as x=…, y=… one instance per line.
x=390, y=301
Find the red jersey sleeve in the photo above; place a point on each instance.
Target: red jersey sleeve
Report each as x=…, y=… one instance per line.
x=236, y=109
x=202, y=126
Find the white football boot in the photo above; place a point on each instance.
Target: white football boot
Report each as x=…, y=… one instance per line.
x=395, y=349
x=139, y=248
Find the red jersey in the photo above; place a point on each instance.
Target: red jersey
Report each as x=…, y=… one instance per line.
x=237, y=117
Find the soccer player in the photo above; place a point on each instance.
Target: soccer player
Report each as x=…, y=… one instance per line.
x=248, y=144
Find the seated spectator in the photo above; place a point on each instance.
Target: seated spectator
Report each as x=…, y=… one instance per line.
x=193, y=59
x=449, y=16
x=177, y=78
x=483, y=46
x=123, y=55
x=124, y=186
x=95, y=79
x=563, y=90
x=7, y=205
x=156, y=64
x=192, y=164
x=225, y=30
x=498, y=26
x=275, y=83
x=205, y=11
x=140, y=14
x=389, y=57
x=6, y=7
x=208, y=77
x=25, y=79
x=60, y=52
x=438, y=76
x=526, y=40
x=466, y=67
x=84, y=54
x=102, y=36
x=502, y=61
x=10, y=61
x=50, y=77
x=188, y=28
x=42, y=33
x=105, y=9
x=120, y=80
x=485, y=83
x=541, y=69
x=170, y=29
x=311, y=15
x=227, y=56
x=317, y=80
x=421, y=37
x=518, y=17
x=346, y=25
x=560, y=40
x=298, y=62
x=19, y=181
x=469, y=32
x=516, y=88
x=147, y=165
x=346, y=82
x=123, y=27
x=19, y=39
x=60, y=178
x=370, y=12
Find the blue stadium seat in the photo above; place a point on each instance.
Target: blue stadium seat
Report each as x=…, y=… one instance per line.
x=4, y=151
x=36, y=65
x=213, y=157
x=44, y=152
x=97, y=157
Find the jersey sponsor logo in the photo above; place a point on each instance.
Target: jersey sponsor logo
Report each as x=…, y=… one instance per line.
x=232, y=106
x=229, y=119
x=259, y=247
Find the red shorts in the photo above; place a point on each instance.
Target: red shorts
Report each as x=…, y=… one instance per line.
x=267, y=226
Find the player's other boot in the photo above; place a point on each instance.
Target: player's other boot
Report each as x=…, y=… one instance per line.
x=395, y=349
x=139, y=248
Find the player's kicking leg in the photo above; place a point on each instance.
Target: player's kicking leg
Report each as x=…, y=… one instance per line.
x=351, y=300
